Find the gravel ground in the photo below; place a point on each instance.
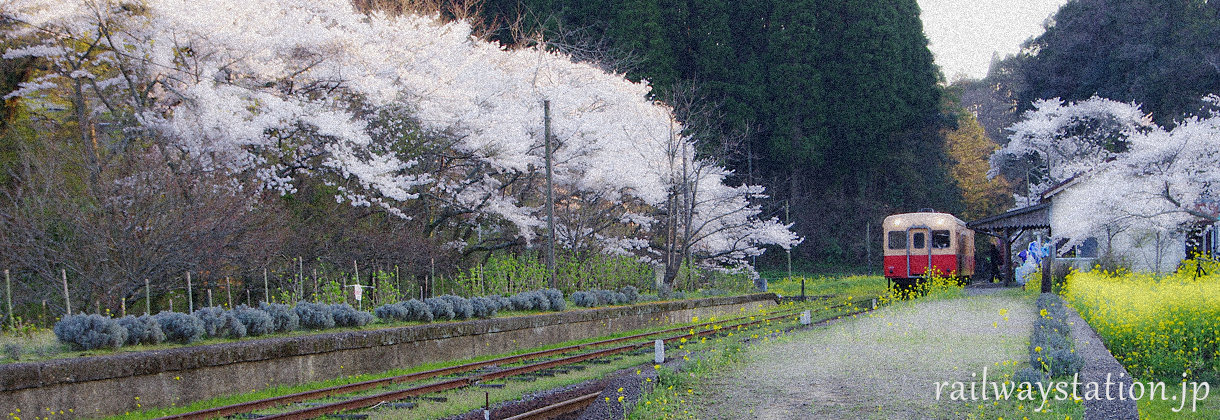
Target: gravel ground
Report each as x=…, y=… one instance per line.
x=1098, y=362
x=880, y=365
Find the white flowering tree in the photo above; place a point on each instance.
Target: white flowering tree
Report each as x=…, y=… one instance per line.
x=1156, y=179
x=406, y=114
x=1055, y=141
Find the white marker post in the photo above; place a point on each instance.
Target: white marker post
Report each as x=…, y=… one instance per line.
x=659, y=349
x=357, y=291
x=805, y=318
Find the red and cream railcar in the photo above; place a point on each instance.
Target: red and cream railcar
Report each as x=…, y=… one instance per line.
x=916, y=241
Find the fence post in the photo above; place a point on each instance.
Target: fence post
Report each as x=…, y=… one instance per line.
x=67, y=298
x=8, y=295
x=147, y=298
x=266, y=288
x=300, y=278
x=190, y=297
x=229, y=291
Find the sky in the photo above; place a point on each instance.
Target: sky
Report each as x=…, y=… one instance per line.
x=963, y=34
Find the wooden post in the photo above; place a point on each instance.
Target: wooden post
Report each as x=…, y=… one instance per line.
x=229, y=290
x=315, y=283
x=122, y=307
x=8, y=295
x=190, y=295
x=210, y=298
x=147, y=298
x=300, y=278
x=68, y=299
x=266, y=288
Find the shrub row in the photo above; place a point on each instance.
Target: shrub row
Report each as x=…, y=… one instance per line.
x=92, y=331
x=449, y=307
x=87, y=332
x=538, y=300
x=599, y=297
x=1051, y=350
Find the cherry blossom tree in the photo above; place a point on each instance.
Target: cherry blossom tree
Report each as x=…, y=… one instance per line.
x=1055, y=141
x=404, y=113
x=1132, y=173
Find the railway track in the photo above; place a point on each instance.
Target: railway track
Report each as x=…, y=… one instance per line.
x=558, y=409
x=693, y=331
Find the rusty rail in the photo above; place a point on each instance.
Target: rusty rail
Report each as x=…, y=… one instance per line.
x=558, y=409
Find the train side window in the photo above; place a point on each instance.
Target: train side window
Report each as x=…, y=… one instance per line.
x=898, y=239
x=941, y=239
x=917, y=240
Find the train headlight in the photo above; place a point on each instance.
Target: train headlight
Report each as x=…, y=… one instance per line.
x=940, y=222
x=897, y=222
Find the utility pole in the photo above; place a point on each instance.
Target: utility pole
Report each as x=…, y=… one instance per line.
x=550, y=193
x=868, y=243
x=786, y=221
x=688, y=212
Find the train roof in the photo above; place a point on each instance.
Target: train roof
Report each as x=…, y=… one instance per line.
x=906, y=219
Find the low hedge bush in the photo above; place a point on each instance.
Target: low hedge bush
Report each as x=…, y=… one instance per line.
x=257, y=321
x=462, y=308
x=92, y=331
x=440, y=308
x=1051, y=349
x=600, y=297
x=283, y=317
x=219, y=323
x=179, y=327
x=345, y=315
x=314, y=316
x=142, y=330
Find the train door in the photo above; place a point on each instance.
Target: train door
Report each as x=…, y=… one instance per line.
x=919, y=253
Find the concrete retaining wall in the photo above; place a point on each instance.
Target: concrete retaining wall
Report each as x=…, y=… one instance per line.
x=125, y=382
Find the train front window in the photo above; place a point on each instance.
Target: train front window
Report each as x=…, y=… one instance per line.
x=917, y=240
x=898, y=239
x=940, y=239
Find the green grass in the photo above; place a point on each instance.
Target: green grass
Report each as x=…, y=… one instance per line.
x=32, y=344
x=1207, y=408
x=856, y=286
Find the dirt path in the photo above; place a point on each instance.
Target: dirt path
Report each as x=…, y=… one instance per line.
x=879, y=366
